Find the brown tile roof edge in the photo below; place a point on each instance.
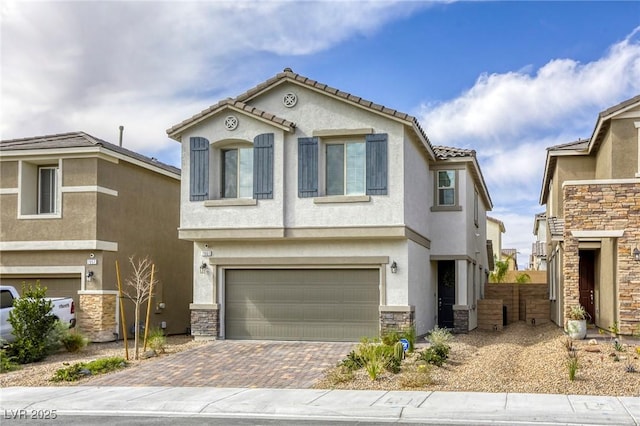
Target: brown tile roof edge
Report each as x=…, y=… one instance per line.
x=236, y=104
x=444, y=152
x=288, y=74
x=78, y=140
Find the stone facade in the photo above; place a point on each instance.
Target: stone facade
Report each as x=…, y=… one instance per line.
x=97, y=317
x=460, y=319
x=605, y=207
x=396, y=320
x=205, y=324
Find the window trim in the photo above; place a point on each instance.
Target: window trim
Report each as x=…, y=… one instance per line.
x=31, y=189
x=345, y=142
x=447, y=208
x=237, y=149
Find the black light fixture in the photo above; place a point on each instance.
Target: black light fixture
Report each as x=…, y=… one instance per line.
x=636, y=254
x=203, y=268
x=90, y=276
x=394, y=267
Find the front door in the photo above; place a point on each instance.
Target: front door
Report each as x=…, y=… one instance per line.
x=446, y=292
x=587, y=281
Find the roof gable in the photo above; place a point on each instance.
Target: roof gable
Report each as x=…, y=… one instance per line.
x=287, y=75
x=233, y=105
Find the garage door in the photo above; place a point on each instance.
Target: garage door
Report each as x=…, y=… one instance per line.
x=286, y=304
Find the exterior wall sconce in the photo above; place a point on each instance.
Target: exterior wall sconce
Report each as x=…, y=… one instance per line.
x=394, y=267
x=90, y=276
x=203, y=268
x=636, y=254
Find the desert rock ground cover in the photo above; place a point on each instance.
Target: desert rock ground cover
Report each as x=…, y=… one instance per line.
x=522, y=358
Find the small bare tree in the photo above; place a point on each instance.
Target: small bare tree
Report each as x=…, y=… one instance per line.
x=138, y=288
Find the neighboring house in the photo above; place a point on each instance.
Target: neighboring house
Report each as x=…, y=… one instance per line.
x=495, y=229
x=71, y=205
x=317, y=215
x=511, y=257
x=538, y=261
x=591, y=189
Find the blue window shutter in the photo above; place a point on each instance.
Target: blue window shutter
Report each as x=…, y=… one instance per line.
x=263, y=166
x=376, y=164
x=307, y=167
x=199, y=169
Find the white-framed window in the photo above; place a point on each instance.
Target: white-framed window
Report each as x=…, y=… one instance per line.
x=39, y=189
x=237, y=173
x=345, y=168
x=446, y=188
x=47, y=190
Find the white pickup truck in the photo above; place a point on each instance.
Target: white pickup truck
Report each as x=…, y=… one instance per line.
x=63, y=309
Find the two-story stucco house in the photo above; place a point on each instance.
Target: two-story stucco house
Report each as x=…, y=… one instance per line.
x=538, y=259
x=70, y=206
x=591, y=189
x=317, y=215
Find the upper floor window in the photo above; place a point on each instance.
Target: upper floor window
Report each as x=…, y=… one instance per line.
x=241, y=170
x=345, y=168
x=349, y=167
x=39, y=189
x=237, y=173
x=446, y=191
x=446, y=188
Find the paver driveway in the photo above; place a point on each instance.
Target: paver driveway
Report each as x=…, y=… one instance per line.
x=234, y=363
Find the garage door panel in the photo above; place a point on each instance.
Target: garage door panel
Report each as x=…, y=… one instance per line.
x=327, y=304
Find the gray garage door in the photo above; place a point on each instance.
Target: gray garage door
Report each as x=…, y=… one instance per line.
x=286, y=304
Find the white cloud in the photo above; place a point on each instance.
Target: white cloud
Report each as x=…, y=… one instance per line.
x=92, y=66
x=502, y=107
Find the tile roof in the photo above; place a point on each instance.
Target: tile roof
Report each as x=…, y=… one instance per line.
x=78, y=140
x=556, y=226
x=234, y=104
x=444, y=152
x=620, y=106
x=578, y=145
x=288, y=75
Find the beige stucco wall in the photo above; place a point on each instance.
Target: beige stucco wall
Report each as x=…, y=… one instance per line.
x=141, y=217
x=568, y=168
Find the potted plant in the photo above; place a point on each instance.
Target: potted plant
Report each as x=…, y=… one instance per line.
x=577, y=322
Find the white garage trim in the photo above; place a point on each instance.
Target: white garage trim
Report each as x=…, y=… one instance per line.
x=59, y=245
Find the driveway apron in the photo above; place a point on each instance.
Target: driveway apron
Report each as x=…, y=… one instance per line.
x=233, y=363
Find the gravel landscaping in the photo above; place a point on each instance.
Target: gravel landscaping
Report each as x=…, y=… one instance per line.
x=521, y=358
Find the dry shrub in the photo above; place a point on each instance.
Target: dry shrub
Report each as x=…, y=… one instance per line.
x=415, y=376
x=338, y=375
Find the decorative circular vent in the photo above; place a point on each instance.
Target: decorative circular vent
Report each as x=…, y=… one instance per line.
x=289, y=100
x=231, y=122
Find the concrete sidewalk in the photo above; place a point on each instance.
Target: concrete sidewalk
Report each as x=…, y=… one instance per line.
x=326, y=405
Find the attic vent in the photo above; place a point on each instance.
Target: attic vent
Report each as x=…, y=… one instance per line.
x=289, y=100
x=231, y=122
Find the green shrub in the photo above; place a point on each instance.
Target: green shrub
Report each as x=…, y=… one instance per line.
x=157, y=340
x=74, y=342
x=439, y=336
x=82, y=369
x=32, y=322
x=390, y=337
x=7, y=362
x=56, y=335
x=433, y=355
x=352, y=362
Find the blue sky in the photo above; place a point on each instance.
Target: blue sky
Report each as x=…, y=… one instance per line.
x=507, y=79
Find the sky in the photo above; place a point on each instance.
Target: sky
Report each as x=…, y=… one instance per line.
x=507, y=79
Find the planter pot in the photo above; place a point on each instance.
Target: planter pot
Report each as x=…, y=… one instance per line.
x=577, y=329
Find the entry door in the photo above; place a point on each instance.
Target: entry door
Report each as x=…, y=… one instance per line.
x=446, y=292
x=587, y=281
